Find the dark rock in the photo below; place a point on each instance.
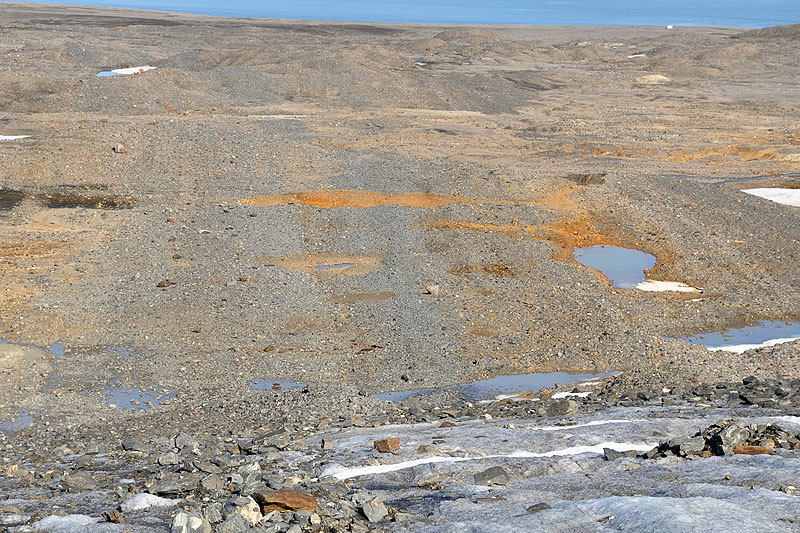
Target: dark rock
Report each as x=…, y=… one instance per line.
x=495, y=475
x=78, y=481
x=536, y=508
x=169, y=458
x=212, y=484
x=207, y=467
x=724, y=441
x=115, y=517
x=234, y=524
x=213, y=513
x=134, y=445
x=562, y=407
x=278, y=439
x=611, y=455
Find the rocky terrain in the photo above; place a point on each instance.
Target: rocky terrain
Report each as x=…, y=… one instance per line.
x=229, y=276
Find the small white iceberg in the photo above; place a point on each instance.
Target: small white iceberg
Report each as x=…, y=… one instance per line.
x=13, y=137
x=777, y=195
x=124, y=71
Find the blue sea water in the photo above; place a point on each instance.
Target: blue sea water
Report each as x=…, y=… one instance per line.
x=739, y=13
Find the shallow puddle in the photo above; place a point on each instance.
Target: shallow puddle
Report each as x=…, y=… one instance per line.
x=502, y=385
x=23, y=419
x=624, y=267
x=326, y=263
x=330, y=267
x=123, y=71
x=739, y=340
x=137, y=398
x=125, y=350
x=276, y=385
x=58, y=350
x=499, y=386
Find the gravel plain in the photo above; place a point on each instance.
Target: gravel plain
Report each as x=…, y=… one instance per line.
x=374, y=208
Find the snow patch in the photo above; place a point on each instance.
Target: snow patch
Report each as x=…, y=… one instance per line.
x=790, y=419
x=67, y=524
x=146, y=501
x=652, y=285
x=741, y=348
x=124, y=71
x=341, y=472
x=777, y=195
x=587, y=424
x=559, y=395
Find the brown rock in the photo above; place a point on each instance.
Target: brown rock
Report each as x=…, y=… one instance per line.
x=120, y=149
x=284, y=501
x=432, y=289
x=387, y=445
x=751, y=450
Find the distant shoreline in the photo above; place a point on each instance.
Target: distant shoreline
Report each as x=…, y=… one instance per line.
x=89, y=10
x=49, y=14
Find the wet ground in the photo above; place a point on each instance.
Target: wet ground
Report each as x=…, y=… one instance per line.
x=368, y=210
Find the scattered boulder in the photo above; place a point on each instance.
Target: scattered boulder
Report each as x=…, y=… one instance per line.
x=562, y=407
x=186, y=523
x=375, y=510
x=387, y=445
x=284, y=500
x=726, y=438
x=495, y=475
x=248, y=509
x=77, y=482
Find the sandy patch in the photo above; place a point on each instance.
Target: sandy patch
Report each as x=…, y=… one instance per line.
x=326, y=263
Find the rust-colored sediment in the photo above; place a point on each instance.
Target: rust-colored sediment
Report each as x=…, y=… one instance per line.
x=356, y=198
x=353, y=198
x=743, y=152
x=575, y=229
